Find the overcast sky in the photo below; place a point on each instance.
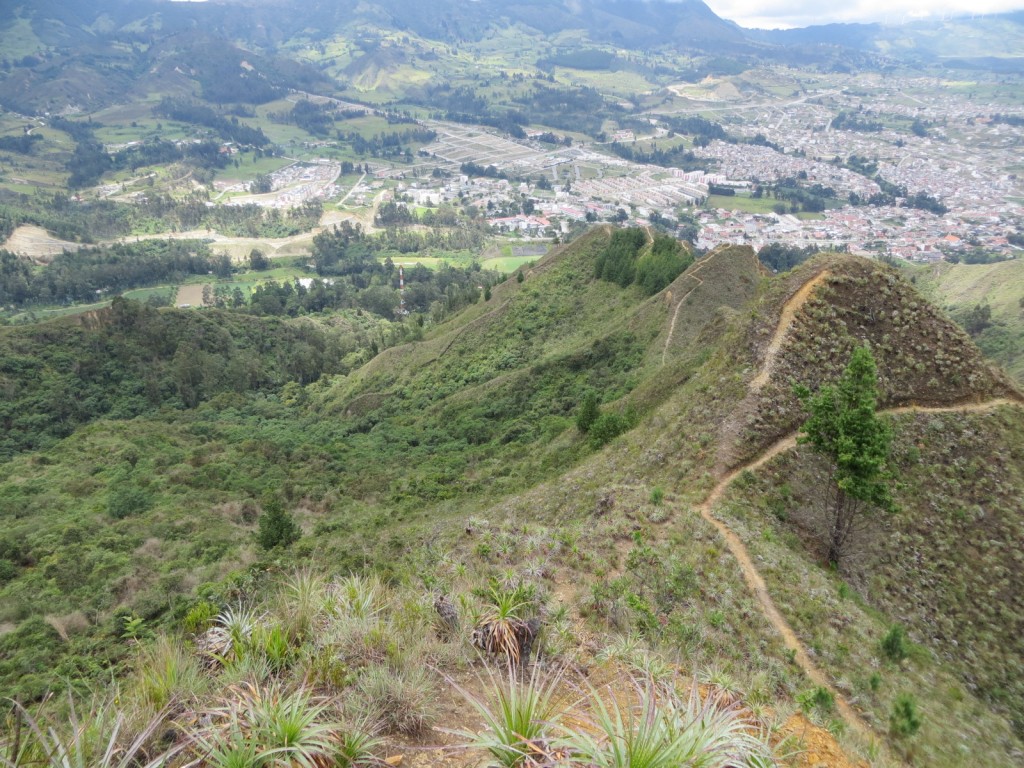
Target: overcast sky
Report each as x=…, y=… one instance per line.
x=773, y=14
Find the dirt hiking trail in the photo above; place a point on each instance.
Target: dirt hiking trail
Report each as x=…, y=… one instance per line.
x=739, y=550
x=789, y=310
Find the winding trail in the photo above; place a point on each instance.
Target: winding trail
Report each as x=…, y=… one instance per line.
x=739, y=550
x=675, y=314
x=789, y=310
x=679, y=304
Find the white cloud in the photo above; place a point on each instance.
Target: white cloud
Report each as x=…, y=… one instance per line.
x=767, y=14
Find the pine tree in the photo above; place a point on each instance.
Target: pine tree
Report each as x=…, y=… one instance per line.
x=277, y=527
x=844, y=428
x=588, y=412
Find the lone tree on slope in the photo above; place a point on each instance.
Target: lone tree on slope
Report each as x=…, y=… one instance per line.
x=277, y=527
x=844, y=428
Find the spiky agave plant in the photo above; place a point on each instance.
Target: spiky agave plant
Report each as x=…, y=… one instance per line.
x=521, y=717
x=270, y=725
x=96, y=739
x=503, y=625
x=660, y=730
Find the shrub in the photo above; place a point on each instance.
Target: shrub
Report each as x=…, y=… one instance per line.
x=277, y=527
x=818, y=698
x=588, y=413
x=894, y=644
x=606, y=428
x=905, y=720
x=657, y=495
x=127, y=499
x=199, y=617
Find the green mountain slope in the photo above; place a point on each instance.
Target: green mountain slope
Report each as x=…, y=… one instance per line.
x=455, y=462
x=960, y=288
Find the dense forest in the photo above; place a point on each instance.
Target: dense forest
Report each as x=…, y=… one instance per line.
x=132, y=359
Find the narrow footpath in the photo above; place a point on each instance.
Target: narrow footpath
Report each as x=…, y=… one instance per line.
x=739, y=550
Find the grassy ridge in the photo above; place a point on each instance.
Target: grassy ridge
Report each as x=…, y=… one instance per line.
x=449, y=462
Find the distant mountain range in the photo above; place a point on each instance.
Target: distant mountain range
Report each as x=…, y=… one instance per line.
x=680, y=23
x=92, y=52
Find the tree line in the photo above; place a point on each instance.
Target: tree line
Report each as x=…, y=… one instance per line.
x=621, y=261
x=89, y=274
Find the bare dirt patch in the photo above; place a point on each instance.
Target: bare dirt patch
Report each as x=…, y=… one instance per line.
x=37, y=244
x=192, y=295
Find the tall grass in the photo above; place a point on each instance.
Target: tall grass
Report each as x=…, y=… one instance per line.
x=359, y=596
x=400, y=700
x=166, y=672
x=98, y=738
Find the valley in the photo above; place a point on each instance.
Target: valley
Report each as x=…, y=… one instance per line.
x=508, y=385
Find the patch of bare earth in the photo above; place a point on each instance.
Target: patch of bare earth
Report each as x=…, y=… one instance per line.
x=192, y=295
x=36, y=244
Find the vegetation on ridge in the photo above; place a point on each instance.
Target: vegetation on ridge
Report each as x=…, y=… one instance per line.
x=454, y=464
x=844, y=428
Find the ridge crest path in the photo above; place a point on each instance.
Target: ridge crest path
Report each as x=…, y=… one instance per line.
x=679, y=304
x=789, y=310
x=751, y=574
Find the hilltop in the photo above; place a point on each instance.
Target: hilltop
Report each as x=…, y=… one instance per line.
x=682, y=528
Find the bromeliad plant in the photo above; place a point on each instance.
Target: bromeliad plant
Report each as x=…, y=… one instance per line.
x=662, y=730
x=269, y=726
x=642, y=724
x=98, y=738
x=521, y=718
x=503, y=627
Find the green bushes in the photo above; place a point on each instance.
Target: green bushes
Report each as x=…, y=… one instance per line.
x=905, y=719
x=895, y=645
x=607, y=427
x=601, y=428
x=128, y=499
x=587, y=413
x=620, y=262
x=277, y=527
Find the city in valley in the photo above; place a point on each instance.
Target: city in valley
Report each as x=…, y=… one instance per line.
x=958, y=149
